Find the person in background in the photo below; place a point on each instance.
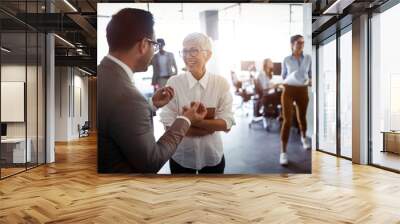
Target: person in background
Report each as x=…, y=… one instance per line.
x=164, y=66
x=268, y=87
x=201, y=150
x=265, y=76
x=296, y=75
x=126, y=142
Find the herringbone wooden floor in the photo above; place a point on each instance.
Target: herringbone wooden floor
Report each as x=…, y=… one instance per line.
x=70, y=191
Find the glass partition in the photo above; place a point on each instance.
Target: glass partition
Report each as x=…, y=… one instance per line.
x=22, y=88
x=385, y=89
x=346, y=94
x=327, y=96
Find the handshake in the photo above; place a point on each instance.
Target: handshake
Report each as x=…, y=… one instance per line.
x=195, y=113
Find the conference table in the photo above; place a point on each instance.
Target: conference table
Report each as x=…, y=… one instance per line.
x=13, y=150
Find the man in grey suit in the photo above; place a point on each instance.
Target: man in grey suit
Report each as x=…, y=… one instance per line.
x=126, y=142
x=164, y=66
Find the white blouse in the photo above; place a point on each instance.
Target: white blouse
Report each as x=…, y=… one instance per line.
x=213, y=91
x=265, y=82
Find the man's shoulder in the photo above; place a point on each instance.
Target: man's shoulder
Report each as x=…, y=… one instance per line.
x=108, y=66
x=104, y=64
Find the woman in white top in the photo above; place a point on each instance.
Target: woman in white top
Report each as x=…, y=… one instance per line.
x=265, y=76
x=201, y=150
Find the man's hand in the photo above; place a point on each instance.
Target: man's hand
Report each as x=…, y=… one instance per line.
x=195, y=113
x=162, y=96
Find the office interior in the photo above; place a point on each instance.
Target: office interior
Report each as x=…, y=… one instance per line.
x=242, y=35
x=48, y=78
x=44, y=95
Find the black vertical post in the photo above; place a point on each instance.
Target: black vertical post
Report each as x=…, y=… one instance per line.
x=37, y=88
x=26, y=86
x=369, y=95
x=338, y=98
x=317, y=96
x=0, y=100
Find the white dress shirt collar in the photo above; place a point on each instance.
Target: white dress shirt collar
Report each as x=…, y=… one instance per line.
x=125, y=67
x=192, y=81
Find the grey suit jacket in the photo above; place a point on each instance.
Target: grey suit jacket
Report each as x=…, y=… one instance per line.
x=126, y=142
x=156, y=66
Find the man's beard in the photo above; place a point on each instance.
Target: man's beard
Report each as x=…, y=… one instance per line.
x=144, y=63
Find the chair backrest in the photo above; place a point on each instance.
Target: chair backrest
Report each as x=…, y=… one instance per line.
x=86, y=125
x=277, y=68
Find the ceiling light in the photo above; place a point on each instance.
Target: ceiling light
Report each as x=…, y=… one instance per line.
x=70, y=5
x=337, y=7
x=64, y=40
x=5, y=50
x=84, y=71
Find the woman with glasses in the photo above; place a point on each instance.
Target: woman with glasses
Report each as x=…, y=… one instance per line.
x=201, y=151
x=296, y=74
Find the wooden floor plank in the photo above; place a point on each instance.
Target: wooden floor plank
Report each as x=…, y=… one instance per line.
x=71, y=191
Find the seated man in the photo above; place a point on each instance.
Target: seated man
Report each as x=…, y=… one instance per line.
x=201, y=150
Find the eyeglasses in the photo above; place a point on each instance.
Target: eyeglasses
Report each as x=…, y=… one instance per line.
x=192, y=52
x=155, y=44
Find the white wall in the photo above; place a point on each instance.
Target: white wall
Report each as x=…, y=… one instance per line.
x=70, y=83
x=12, y=73
x=33, y=126
x=80, y=84
x=61, y=103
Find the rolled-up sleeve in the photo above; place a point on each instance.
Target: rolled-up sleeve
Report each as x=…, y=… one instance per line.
x=224, y=108
x=170, y=111
x=284, y=69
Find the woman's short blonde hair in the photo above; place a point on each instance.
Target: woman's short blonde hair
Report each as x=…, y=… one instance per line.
x=200, y=39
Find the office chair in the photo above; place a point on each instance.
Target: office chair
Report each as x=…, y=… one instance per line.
x=258, y=110
x=270, y=106
x=244, y=94
x=84, y=130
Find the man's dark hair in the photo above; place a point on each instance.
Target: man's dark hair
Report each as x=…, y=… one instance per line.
x=295, y=38
x=161, y=41
x=128, y=27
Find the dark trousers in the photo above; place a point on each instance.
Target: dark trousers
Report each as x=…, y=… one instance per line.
x=177, y=169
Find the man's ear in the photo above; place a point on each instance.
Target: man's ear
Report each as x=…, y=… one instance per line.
x=142, y=45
